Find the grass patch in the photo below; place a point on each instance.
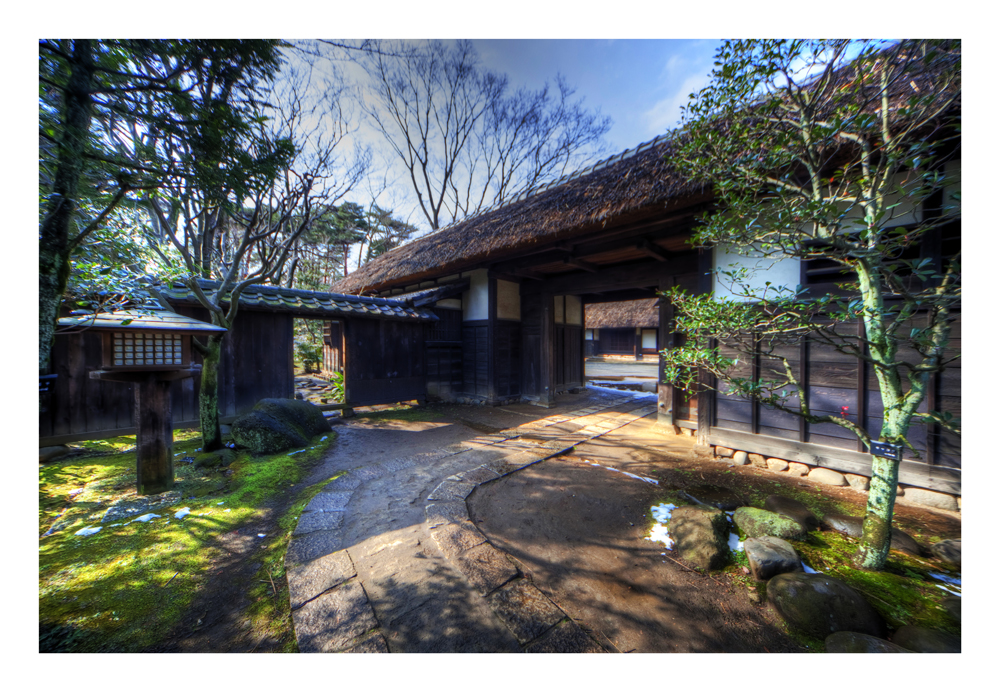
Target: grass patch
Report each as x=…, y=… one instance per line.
x=124, y=588
x=903, y=593
x=270, y=611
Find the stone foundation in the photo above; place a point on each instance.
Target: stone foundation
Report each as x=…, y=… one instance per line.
x=909, y=494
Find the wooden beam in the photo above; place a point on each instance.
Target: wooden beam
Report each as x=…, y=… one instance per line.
x=580, y=264
x=633, y=275
x=654, y=251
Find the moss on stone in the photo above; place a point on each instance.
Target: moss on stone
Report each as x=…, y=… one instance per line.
x=755, y=523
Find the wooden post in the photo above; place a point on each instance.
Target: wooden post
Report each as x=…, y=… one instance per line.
x=665, y=339
x=154, y=461
x=546, y=395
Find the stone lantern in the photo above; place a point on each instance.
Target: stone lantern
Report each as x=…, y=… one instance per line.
x=149, y=348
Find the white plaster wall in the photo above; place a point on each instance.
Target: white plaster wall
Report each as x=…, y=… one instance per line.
x=508, y=300
x=783, y=272
x=574, y=310
x=451, y=303
x=649, y=338
x=476, y=301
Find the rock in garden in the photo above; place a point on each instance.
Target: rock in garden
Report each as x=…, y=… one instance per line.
x=949, y=550
x=220, y=457
x=827, y=476
x=755, y=523
x=929, y=498
x=47, y=454
x=852, y=526
x=758, y=460
x=276, y=425
x=927, y=641
x=797, y=469
x=857, y=482
x=700, y=536
x=769, y=556
x=723, y=452
x=953, y=606
x=820, y=605
x=741, y=458
x=793, y=509
x=777, y=464
x=857, y=643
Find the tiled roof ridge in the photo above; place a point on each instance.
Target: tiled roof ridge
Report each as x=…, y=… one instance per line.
x=265, y=289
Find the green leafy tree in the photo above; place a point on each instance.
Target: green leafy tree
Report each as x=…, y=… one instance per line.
x=832, y=152
x=260, y=164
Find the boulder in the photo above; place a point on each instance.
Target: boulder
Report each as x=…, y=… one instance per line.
x=741, y=458
x=47, y=454
x=701, y=536
x=857, y=482
x=276, y=425
x=755, y=523
x=953, y=606
x=797, y=469
x=949, y=550
x=769, y=556
x=820, y=605
x=758, y=460
x=724, y=452
x=927, y=641
x=852, y=526
x=793, y=509
x=777, y=464
x=857, y=643
x=211, y=460
x=827, y=476
x=929, y=498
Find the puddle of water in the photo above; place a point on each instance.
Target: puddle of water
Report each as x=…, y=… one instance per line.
x=735, y=544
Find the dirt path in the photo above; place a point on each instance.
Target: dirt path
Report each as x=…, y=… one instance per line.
x=579, y=531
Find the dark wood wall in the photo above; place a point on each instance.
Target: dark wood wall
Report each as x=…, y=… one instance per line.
x=256, y=363
x=384, y=362
x=840, y=385
x=615, y=341
x=568, y=356
x=444, y=355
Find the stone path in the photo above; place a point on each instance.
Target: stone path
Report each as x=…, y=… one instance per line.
x=385, y=558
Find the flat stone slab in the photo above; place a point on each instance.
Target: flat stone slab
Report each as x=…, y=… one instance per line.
x=334, y=620
x=133, y=506
x=450, y=490
x=310, y=546
x=457, y=537
x=486, y=567
x=479, y=475
x=318, y=521
x=329, y=501
x=525, y=610
x=374, y=644
x=438, y=513
x=567, y=638
x=309, y=580
x=346, y=482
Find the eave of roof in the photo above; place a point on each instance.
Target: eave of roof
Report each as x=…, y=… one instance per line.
x=303, y=303
x=147, y=319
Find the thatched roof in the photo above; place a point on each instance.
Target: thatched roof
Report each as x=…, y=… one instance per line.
x=628, y=185
x=637, y=178
x=627, y=313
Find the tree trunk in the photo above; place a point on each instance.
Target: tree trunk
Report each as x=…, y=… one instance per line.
x=54, y=243
x=877, y=530
x=208, y=396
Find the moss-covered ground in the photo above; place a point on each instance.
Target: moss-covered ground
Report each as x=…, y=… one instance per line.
x=125, y=587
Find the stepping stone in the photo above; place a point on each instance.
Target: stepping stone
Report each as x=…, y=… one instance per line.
x=927, y=641
x=769, y=556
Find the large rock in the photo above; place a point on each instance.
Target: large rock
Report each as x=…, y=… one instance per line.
x=852, y=526
x=777, y=464
x=276, y=425
x=741, y=458
x=820, y=605
x=769, y=556
x=701, y=536
x=929, y=498
x=755, y=523
x=793, y=509
x=857, y=643
x=47, y=454
x=927, y=641
x=949, y=550
x=859, y=483
x=827, y=476
x=797, y=469
x=758, y=460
